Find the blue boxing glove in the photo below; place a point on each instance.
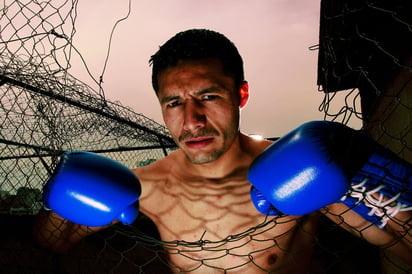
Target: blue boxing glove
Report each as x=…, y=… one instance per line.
x=321, y=163
x=381, y=188
x=92, y=190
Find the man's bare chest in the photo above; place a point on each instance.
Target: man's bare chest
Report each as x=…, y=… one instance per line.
x=224, y=238
x=190, y=212
x=216, y=225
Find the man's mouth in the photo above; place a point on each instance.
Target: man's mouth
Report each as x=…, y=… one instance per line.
x=198, y=142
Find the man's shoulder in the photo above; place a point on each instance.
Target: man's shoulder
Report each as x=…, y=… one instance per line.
x=254, y=146
x=159, y=167
x=153, y=177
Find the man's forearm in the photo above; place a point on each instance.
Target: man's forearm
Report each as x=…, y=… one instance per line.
x=53, y=232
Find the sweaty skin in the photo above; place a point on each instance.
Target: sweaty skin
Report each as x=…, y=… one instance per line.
x=195, y=208
x=202, y=186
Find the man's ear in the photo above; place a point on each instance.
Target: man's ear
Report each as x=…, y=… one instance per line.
x=243, y=94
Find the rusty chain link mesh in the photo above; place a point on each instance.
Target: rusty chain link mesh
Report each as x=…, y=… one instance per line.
x=364, y=70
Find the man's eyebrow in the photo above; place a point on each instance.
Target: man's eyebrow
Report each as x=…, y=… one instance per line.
x=168, y=99
x=198, y=93
x=207, y=90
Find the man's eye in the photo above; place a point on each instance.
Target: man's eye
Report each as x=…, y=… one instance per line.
x=173, y=104
x=209, y=97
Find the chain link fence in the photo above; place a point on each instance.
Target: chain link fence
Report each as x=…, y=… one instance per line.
x=364, y=71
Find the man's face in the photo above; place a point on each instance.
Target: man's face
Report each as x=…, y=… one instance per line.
x=200, y=107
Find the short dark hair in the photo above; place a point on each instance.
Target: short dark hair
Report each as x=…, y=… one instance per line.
x=197, y=44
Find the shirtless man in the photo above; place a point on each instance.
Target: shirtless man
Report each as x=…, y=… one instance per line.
x=199, y=194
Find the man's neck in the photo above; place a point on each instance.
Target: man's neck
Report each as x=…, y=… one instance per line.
x=240, y=155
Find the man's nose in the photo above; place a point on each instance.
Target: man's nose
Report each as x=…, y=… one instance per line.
x=194, y=116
